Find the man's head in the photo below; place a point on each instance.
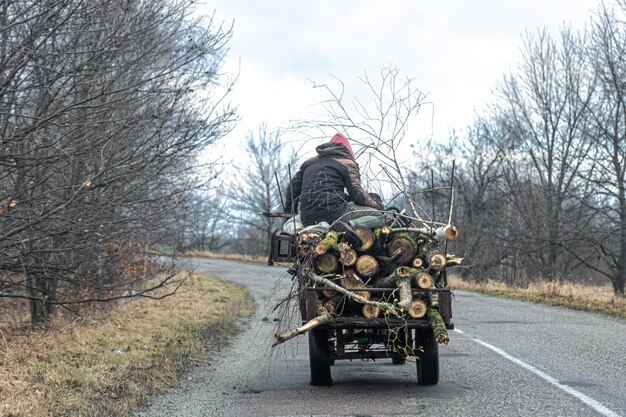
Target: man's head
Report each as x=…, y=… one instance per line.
x=344, y=141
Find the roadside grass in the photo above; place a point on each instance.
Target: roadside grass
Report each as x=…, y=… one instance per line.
x=111, y=365
x=576, y=296
x=228, y=256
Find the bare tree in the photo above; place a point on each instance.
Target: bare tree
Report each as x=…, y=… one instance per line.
x=606, y=51
x=255, y=188
x=104, y=107
x=546, y=142
x=382, y=124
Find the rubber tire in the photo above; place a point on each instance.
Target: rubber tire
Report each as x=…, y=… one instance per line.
x=427, y=362
x=318, y=358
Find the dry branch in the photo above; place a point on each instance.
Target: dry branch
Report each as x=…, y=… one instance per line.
x=323, y=318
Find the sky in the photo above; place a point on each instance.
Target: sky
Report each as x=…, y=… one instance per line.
x=455, y=50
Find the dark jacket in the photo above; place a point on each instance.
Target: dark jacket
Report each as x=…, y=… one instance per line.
x=318, y=187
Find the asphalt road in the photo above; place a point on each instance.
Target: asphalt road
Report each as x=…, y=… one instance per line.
x=510, y=358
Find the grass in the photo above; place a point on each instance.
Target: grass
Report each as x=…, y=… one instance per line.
x=577, y=296
x=229, y=256
x=109, y=366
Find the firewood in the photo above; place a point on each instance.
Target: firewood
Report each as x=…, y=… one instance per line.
x=405, y=296
x=329, y=293
x=390, y=308
x=332, y=305
x=367, y=265
x=370, y=311
x=424, y=280
x=405, y=242
x=433, y=298
x=449, y=232
x=352, y=280
x=418, y=309
x=417, y=262
x=382, y=233
x=330, y=240
x=452, y=260
x=327, y=263
x=438, y=326
x=436, y=259
x=347, y=257
x=367, y=238
x=323, y=318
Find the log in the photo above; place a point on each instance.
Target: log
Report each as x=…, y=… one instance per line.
x=382, y=233
x=433, y=298
x=367, y=238
x=385, y=307
x=436, y=259
x=449, y=232
x=418, y=262
x=424, y=280
x=329, y=293
x=326, y=263
x=418, y=309
x=405, y=296
x=438, y=326
x=366, y=265
x=370, y=311
x=385, y=282
x=352, y=280
x=323, y=318
x=330, y=240
x=347, y=257
x=406, y=243
x=333, y=304
x=452, y=260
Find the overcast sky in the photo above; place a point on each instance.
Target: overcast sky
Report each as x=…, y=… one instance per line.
x=456, y=50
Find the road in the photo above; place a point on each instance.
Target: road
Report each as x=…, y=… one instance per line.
x=510, y=358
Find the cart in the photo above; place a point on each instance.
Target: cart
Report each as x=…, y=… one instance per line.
x=357, y=337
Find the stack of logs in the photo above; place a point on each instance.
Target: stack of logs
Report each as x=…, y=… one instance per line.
x=406, y=261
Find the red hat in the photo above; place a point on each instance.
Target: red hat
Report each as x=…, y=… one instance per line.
x=344, y=141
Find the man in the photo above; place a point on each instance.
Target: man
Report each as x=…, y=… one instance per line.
x=319, y=189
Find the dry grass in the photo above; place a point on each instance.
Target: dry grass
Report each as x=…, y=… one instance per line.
x=230, y=256
x=578, y=296
x=111, y=365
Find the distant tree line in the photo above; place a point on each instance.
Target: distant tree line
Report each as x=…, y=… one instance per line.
x=541, y=178
x=104, y=108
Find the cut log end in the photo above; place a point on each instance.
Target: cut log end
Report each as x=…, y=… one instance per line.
x=348, y=257
x=418, y=262
x=370, y=311
x=437, y=261
x=424, y=280
x=367, y=266
x=367, y=238
x=327, y=263
x=406, y=245
x=418, y=309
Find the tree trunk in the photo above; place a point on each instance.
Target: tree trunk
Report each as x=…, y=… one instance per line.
x=40, y=307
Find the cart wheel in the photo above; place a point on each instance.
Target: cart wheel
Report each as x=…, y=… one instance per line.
x=427, y=361
x=318, y=357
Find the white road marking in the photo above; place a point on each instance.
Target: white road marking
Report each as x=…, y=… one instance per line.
x=571, y=391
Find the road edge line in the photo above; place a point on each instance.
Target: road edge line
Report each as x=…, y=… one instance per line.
x=596, y=405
